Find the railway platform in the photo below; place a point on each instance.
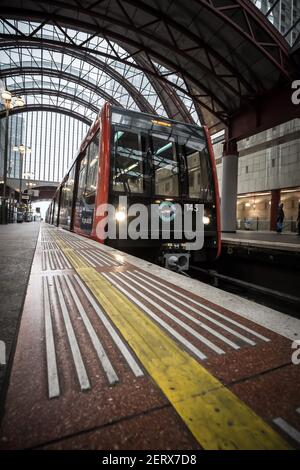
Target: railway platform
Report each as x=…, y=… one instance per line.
x=287, y=242
x=114, y=352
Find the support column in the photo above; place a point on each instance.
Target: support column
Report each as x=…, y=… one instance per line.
x=4, y=208
x=275, y=200
x=229, y=186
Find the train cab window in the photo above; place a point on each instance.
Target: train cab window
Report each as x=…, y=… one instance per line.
x=199, y=171
x=166, y=167
x=128, y=174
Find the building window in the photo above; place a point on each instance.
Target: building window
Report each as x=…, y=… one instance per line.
x=247, y=169
x=273, y=162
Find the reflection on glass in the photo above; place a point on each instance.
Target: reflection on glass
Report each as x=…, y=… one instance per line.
x=66, y=200
x=128, y=162
x=199, y=171
x=87, y=183
x=165, y=166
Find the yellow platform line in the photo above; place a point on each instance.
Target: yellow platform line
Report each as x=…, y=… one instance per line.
x=217, y=418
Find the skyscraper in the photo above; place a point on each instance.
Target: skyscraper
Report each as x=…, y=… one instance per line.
x=284, y=15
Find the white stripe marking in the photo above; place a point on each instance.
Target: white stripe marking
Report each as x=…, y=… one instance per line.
x=165, y=325
x=215, y=312
x=77, y=358
x=57, y=257
x=47, y=260
x=51, y=262
x=107, y=258
x=52, y=373
x=67, y=264
x=171, y=316
x=102, y=259
x=116, y=338
x=43, y=261
x=207, y=317
x=288, y=429
x=103, y=358
x=80, y=254
x=90, y=257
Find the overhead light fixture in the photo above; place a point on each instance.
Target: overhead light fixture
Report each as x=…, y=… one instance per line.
x=19, y=101
x=6, y=95
x=161, y=123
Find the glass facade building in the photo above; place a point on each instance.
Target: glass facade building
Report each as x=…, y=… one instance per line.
x=284, y=15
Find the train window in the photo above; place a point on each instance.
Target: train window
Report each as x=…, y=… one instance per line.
x=86, y=191
x=166, y=168
x=82, y=177
x=128, y=174
x=92, y=171
x=199, y=169
x=55, y=211
x=81, y=209
x=67, y=200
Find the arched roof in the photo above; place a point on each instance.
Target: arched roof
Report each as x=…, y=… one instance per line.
x=204, y=59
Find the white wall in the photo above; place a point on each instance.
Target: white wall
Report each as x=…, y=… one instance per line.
x=268, y=160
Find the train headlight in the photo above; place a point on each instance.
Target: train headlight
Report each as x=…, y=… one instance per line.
x=120, y=216
x=206, y=220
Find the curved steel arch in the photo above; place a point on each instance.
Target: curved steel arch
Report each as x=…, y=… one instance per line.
x=214, y=107
x=50, y=108
x=217, y=80
x=10, y=42
x=49, y=92
x=171, y=102
x=13, y=71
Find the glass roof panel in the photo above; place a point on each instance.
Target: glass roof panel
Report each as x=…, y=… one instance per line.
x=110, y=54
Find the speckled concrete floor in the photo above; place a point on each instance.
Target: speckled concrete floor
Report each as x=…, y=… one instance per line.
x=50, y=406
x=17, y=245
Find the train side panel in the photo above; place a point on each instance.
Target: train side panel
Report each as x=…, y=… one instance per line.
x=103, y=173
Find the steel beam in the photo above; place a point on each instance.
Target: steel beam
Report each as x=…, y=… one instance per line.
x=50, y=108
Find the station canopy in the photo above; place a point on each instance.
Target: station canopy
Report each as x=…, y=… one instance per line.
x=196, y=61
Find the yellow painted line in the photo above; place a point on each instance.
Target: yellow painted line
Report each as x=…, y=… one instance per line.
x=217, y=418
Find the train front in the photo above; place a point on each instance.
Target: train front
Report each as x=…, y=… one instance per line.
x=163, y=189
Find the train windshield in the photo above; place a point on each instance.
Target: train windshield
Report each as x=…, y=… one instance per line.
x=200, y=180
x=165, y=165
x=128, y=162
x=159, y=158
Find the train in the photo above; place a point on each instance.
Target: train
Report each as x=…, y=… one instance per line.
x=161, y=167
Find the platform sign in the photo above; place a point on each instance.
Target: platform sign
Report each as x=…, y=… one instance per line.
x=24, y=196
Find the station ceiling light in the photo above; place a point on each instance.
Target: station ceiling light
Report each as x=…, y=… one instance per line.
x=19, y=101
x=6, y=95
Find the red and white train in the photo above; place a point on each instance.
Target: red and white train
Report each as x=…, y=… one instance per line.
x=150, y=160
